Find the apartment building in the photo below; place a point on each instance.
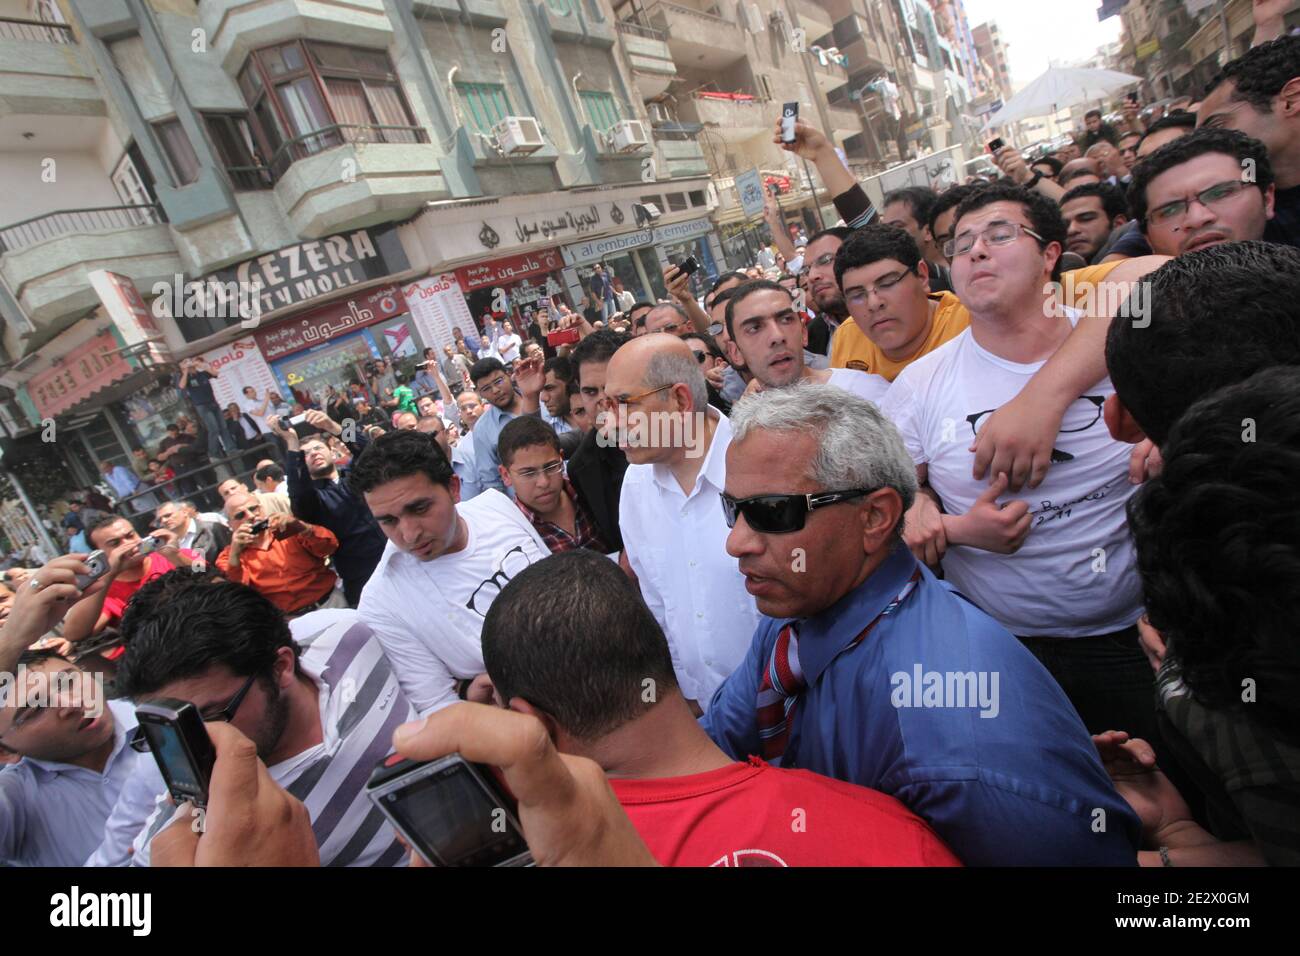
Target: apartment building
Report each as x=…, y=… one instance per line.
x=992, y=53
x=295, y=189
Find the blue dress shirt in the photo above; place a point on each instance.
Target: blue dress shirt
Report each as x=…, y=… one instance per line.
x=1022, y=786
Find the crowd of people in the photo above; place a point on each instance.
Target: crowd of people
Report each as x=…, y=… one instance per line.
x=966, y=529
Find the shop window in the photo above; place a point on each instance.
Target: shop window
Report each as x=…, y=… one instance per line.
x=176, y=147
x=233, y=141
x=483, y=104
x=676, y=202
x=601, y=109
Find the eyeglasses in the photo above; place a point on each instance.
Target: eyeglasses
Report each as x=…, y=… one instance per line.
x=1082, y=417
x=782, y=514
x=1219, y=192
x=605, y=402
x=256, y=510
x=860, y=294
x=140, y=743
x=700, y=356
x=551, y=468
x=996, y=234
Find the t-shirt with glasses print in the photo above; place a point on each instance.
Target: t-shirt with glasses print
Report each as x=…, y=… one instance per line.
x=1075, y=574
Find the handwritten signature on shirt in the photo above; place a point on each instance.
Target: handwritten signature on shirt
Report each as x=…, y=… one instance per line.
x=1049, y=511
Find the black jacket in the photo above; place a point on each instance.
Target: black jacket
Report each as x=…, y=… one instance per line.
x=210, y=539
x=597, y=474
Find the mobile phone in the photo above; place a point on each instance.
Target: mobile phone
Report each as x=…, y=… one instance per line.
x=180, y=745
x=148, y=545
x=453, y=812
x=789, y=116
x=297, y=419
x=1132, y=98
x=996, y=144
x=563, y=336
x=97, y=561
x=688, y=265
x=258, y=526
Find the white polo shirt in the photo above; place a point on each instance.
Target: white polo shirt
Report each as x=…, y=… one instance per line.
x=676, y=544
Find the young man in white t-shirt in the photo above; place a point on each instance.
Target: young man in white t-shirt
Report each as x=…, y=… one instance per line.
x=444, y=565
x=771, y=337
x=1057, y=567
x=508, y=344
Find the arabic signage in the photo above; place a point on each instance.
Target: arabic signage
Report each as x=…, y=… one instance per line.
x=337, y=318
x=239, y=364
x=504, y=271
x=749, y=185
x=437, y=304
x=80, y=373
x=612, y=245
x=124, y=305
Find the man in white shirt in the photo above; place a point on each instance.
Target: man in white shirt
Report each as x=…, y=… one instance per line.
x=76, y=758
x=256, y=409
x=1057, y=570
x=772, y=338
x=444, y=565
x=508, y=344
x=189, y=531
x=322, y=717
x=674, y=533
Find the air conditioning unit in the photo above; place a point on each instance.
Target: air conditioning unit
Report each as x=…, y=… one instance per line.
x=752, y=18
x=518, y=135
x=629, y=136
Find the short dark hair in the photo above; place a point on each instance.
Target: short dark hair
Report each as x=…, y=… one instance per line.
x=599, y=346
x=710, y=343
x=1261, y=72
x=1217, y=316
x=396, y=454
x=483, y=368
x=723, y=297
x=1112, y=200
x=873, y=242
x=274, y=472
x=1229, y=142
x=725, y=277
x=102, y=523
x=1050, y=161
x=742, y=292
x=839, y=232
x=639, y=305
x=1217, y=547
x=1170, y=121
x=951, y=198
x=918, y=199
x=1092, y=112
x=179, y=626
x=1043, y=214
x=525, y=432
x=571, y=635
x=1130, y=134
x=563, y=368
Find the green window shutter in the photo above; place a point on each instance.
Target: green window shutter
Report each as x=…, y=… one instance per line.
x=483, y=105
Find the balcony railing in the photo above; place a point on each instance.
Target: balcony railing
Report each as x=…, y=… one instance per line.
x=245, y=178
x=690, y=11
x=636, y=30
x=328, y=137
x=72, y=221
x=37, y=31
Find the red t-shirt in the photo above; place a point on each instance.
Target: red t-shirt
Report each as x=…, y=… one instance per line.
x=119, y=592
x=753, y=814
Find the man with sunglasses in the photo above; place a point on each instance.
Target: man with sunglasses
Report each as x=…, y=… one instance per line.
x=854, y=629
x=656, y=408
x=532, y=464
x=280, y=557
x=317, y=697
x=1056, y=569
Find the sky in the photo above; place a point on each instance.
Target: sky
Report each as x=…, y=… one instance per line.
x=1036, y=31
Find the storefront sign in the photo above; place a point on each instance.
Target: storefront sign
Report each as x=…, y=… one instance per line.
x=308, y=270
x=124, y=305
x=505, y=271
x=437, y=305
x=80, y=373
x=337, y=318
x=239, y=364
x=749, y=185
x=600, y=248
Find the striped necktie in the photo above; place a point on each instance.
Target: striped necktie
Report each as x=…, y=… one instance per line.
x=782, y=680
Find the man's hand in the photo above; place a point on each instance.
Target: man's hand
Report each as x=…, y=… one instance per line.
x=241, y=539
x=1112, y=163
x=481, y=690
x=318, y=419
x=1001, y=528
x=250, y=820
x=285, y=431
x=923, y=530
x=1132, y=768
x=35, y=613
x=1145, y=462
x=1012, y=164
x=1017, y=439
x=1133, y=115
x=678, y=283
x=282, y=525
x=716, y=376
x=809, y=142
x=1152, y=643
x=569, y=814
x=163, y=536
x=530, y=378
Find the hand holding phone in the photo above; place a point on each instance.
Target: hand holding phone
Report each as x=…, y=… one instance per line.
x=789, y=117
x=996, y=144
x=181, y=747
x=688, y=266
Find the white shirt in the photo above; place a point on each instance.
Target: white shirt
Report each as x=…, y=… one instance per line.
x=676, y=544
x=625, y=300
x=863, y=384
x=1075, y=574
x=508, y=347
x=360, y=707
x=428, y=615
x=251, y=407
x=53, y=814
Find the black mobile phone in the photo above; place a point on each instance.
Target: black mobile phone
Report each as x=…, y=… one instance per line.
x=1132, y=97
x=181, y=746
x=688, y=265
x=453, y=812
x=996, y=144
x=97, y=561
x=260, y=525
x=789, y=116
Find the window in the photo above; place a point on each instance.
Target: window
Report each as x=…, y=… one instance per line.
x=697, y=197
x=306, y=96
x=601, y=109
x=180, y=154
x=676, y=202
x=233, y=141
x=484, y=104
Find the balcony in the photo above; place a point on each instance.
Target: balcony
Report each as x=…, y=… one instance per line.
x=41, y=72
x=698, y=39
x=348, y=177
x=653, y=67
x=845, y=120
x=235, y=27
x=678, y=154
x=813, y=17
x=46, y=260
x=853, y=37
x=827, y=71
x=734, y=117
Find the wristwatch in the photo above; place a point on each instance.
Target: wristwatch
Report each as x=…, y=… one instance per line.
x=1038, y=174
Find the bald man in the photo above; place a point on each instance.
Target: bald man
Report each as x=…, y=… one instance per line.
x=668, y=317
x=674, y=536
x=1073, y=173
x=272, y=502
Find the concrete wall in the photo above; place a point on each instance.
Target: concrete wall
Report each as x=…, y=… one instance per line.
x=80, y=182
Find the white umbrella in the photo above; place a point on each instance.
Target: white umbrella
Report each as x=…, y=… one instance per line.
x=1058, y=88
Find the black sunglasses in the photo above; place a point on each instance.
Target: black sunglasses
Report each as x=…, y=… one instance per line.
x=140, y=743
x=782, y=514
